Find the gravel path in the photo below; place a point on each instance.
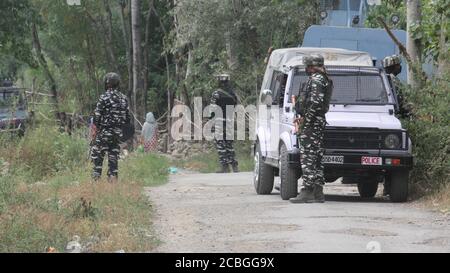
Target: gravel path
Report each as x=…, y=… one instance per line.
x=222, y=213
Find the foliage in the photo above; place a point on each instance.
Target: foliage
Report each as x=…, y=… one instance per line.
x=429, y=128
x=149, y=169
x=430, y=134
x=80, y=43
x=234, y=36
x=15, y=42
x=435, y=14
x=37, y=215
x=45, y=151
x=386, y=10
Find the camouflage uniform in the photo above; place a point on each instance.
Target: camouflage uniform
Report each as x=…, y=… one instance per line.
x=389, y=64
x=110, y=115
x=312, y=106
x=222, y=97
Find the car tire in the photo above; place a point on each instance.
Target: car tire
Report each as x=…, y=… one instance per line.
x=263, y=174
x=399, y=186
x=288, y=176
x=368, y=189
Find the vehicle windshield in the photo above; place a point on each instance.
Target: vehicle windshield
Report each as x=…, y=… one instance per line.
x=9, y=100
x=349, y=87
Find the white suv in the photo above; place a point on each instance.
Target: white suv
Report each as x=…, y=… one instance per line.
x=364, y=141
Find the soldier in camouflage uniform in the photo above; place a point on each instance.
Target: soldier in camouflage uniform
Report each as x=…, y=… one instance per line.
x=110, y=115
x=312, y=106
x=392, y=66
x=222, y=97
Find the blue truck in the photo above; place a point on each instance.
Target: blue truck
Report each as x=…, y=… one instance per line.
x=342, y=26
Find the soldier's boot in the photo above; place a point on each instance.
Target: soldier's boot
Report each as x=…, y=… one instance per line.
x=235, y=167
x=318, y=194
x=306, y=195
x=224, y=168
x=112, y=179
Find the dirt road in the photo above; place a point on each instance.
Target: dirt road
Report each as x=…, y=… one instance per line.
x=222, y=213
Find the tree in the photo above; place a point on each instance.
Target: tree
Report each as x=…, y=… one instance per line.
x=427, y=32
x=413, y=44
x=15, y=38
x=126, y=34
x=137, y=53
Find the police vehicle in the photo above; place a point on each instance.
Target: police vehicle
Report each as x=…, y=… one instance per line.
x=13, y=113
x=364, y=140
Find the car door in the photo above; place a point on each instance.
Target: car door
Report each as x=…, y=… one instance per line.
x=278, y=86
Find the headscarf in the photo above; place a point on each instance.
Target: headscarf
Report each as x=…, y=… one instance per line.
x=150, y=133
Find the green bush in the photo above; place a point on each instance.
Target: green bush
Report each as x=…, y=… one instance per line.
x=45, y=151
x=430, y=133
x=149, y=169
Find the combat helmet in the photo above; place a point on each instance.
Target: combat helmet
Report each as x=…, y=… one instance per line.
x=391, y=60
x=313, y=60
x=224, y=77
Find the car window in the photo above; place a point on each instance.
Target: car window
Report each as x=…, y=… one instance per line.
x=352, y=87
x=297, y=85
x=278, y=86
x=8, y=99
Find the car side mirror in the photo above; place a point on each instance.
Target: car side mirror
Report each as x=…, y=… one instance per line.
x=266, y=97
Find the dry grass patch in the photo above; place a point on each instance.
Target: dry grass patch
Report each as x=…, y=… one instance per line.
x=106, y=217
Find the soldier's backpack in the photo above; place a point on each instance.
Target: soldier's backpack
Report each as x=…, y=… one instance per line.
x=128, y=131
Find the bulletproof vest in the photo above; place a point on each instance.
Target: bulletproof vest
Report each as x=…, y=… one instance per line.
x=326, y=87
x=225, y=98
x=304, y=98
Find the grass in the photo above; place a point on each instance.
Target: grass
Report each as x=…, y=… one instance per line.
x=208, y=162
x=44, y=204
x=440, y=200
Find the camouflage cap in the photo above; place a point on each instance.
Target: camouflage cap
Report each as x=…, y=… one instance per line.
x=391, y=60
x=112, y=79
x=313, y=60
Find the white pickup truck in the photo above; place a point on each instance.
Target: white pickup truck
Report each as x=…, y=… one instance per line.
x=365, y=142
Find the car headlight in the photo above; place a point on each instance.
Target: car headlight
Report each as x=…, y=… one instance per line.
x=392, y=141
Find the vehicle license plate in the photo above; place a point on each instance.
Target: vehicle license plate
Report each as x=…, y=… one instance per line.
x=369, y=160
x=333, y=159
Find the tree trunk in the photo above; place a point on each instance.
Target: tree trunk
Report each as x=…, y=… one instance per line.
x=78, y=84
x=91, y=66
x=128, y=45
x=413, y=46
x=232, y=61
x=170, y=96
x=137, y=54
x=44, y=65
x=146, y=64
x=443, y=60
x=109, y=37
